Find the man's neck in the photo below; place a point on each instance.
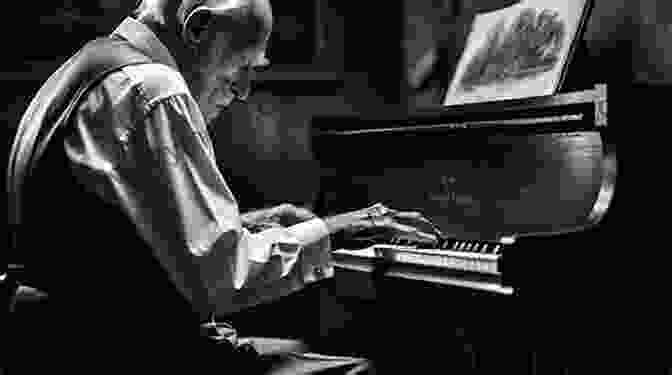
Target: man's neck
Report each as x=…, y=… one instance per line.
x=170, y=37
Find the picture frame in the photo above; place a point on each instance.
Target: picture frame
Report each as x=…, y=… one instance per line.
x=518, y=52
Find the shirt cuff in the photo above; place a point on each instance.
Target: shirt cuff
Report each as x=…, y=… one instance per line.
x=257, y=245
x=309, y=232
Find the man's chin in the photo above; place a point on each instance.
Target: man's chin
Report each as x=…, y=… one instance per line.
x=212, y=117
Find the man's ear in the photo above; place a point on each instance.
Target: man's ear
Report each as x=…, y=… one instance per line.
x=197, y=25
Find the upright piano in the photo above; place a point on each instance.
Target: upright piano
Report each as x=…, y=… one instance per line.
x=521, y=190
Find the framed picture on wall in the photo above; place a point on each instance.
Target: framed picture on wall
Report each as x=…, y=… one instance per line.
x=517, y=52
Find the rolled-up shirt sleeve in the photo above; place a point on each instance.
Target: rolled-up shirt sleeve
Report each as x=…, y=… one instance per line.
x=286, y=243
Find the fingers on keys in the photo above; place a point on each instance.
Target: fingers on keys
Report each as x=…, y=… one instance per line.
x=412, y=231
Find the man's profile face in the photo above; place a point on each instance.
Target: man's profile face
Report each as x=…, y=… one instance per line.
x=229, y=81
x=227, y=56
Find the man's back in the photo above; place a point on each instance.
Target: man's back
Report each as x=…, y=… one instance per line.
x=108, y=295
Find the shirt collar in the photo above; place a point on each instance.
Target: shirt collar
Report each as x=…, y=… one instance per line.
x=143, y=38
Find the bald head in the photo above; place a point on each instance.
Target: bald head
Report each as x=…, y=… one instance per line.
x=250, y=21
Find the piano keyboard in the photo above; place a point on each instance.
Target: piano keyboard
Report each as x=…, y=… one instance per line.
x=481, y=263
x=464, y=255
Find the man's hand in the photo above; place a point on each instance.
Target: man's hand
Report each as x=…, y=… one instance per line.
x=386, y=222
x=283, y=215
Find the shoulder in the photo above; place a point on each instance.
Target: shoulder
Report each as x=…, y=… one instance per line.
x=134, y=86
x=154, y=82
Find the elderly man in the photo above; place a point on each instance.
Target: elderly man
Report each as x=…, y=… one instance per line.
x=143, y=240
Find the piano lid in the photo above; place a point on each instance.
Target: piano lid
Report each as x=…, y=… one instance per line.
x=475, y=184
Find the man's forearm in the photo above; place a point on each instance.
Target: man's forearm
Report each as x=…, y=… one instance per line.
x=334, y=224
x=257, y=216
x=345, y=221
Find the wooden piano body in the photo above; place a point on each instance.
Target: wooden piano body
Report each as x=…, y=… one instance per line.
x=537, y=176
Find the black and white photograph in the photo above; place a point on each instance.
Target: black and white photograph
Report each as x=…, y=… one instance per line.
x=325, y=187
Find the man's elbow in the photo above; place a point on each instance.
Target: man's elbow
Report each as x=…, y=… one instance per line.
x=215, y=243
x=201, y=250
